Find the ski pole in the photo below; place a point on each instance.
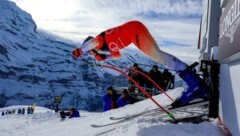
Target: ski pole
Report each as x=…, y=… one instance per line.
x=170, y=115
x=144, y=91
x=150, y=79
x=154, y=83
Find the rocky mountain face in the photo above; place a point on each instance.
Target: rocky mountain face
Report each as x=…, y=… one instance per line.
x=35, y=66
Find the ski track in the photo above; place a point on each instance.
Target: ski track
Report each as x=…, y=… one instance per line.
x=49, y=124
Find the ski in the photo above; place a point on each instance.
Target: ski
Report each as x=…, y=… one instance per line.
x=157, y=111
x=191, y=105
x=109, y=124
x=133, y=115
x=193, y=119
x=102, y=133
x=148, y=113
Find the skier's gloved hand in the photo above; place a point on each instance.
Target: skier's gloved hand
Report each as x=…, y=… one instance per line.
x=77, y=52
x=100, y=57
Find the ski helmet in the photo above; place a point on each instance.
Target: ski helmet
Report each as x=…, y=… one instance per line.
x=135, y=65
x=87, y=39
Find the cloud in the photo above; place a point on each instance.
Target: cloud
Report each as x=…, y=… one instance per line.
x=173, y=23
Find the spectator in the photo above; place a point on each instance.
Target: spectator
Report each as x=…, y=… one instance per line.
x=155, y=75
x=23, y=110
x=109, y=99
x=3, y=113
x=73, y=113
x=136, y=76
x=32, y=110
x=19, y=111
x=28, y=110
x=56, y=108
x=124, y=99
x=8, y=112
x=167, y=79
x=13, y=111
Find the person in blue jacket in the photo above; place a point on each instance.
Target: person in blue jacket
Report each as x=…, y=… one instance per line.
x=23, y=110
x=73, y=113
x=19, y=111
x=124, y=99
x=109, y=99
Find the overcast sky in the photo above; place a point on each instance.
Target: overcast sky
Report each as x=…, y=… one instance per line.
x=173, y=23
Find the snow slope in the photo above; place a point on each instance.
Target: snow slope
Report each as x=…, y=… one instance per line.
x=49, y=124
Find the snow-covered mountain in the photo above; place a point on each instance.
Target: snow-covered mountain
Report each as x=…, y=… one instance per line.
x=37, y=66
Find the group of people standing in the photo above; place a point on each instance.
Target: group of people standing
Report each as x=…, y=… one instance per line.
x=164, y=79
x=28, y=110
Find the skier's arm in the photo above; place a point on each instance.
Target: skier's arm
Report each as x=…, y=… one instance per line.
x=114, y=55
x=87, y=46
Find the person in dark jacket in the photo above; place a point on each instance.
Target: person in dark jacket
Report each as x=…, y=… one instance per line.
x=167, y=79
x=32, y=110
x=28, y=110
x=124, y=99
x=155, y=75
x=109, y=99
x=140, y=79
x=73, y=113
x=3, y=113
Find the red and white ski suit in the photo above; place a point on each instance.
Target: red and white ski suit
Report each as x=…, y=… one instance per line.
x=117, y=38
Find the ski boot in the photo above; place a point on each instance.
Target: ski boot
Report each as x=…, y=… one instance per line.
x=197, y=88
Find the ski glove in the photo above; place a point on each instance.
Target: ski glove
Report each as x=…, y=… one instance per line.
x=77, y=52
x=100, y=57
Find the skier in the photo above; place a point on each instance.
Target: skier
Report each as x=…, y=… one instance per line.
x=109, y=99
x=124, y=99
x=107, y=45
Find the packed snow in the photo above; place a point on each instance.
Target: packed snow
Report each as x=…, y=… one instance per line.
x=45, y=122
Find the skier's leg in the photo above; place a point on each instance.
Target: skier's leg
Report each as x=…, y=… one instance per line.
x=141, y=37
x=197, y=88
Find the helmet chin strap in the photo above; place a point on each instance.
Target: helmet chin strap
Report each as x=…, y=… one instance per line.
x=93, y=50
